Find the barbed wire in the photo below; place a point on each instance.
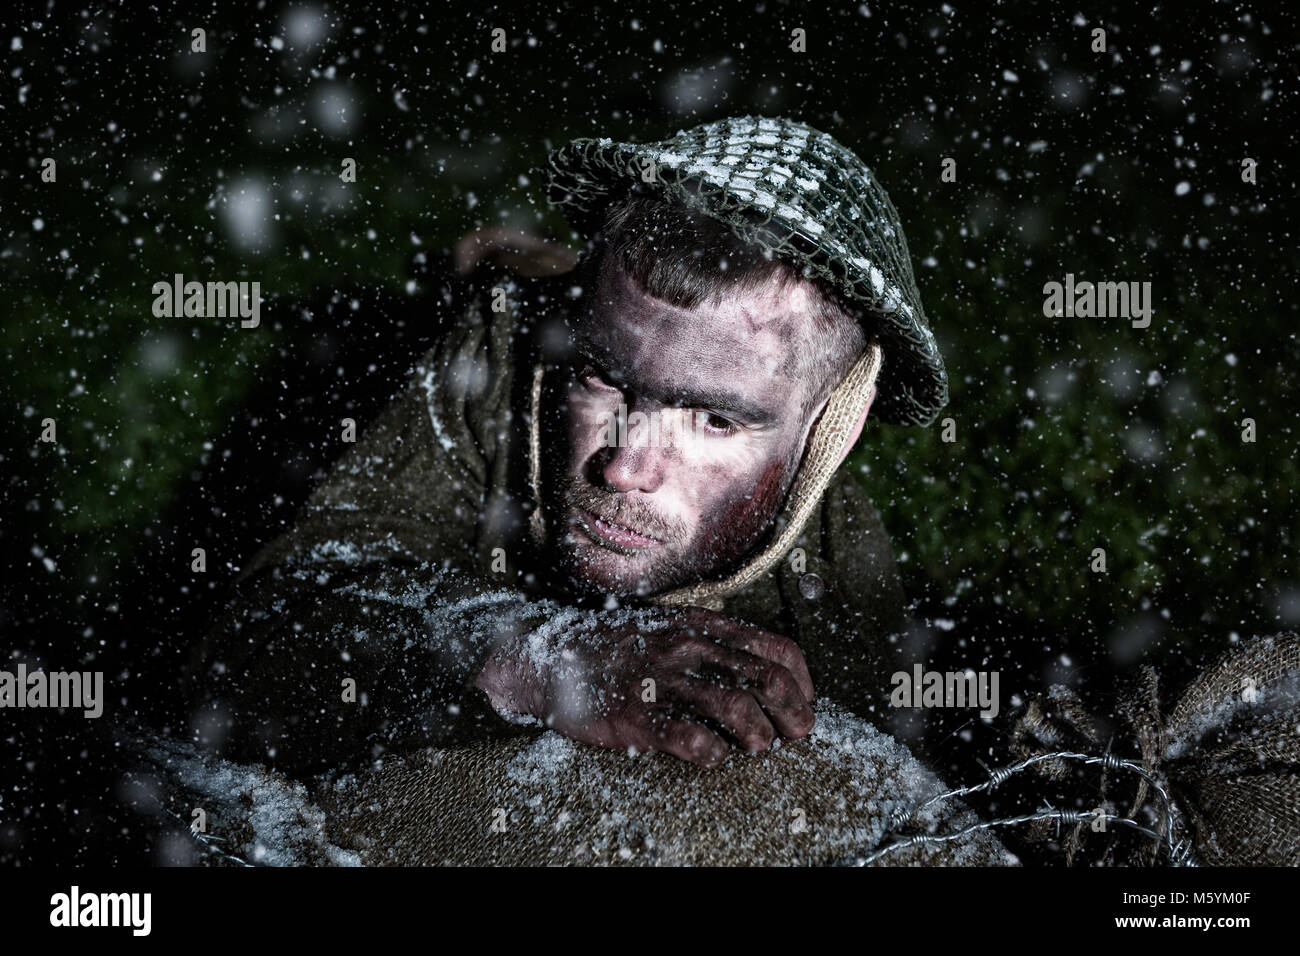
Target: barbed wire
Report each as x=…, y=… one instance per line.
x=1178, y=852
x=207, y=840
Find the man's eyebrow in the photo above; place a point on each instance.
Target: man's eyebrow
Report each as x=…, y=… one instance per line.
x=589, y=351
x=716, y=400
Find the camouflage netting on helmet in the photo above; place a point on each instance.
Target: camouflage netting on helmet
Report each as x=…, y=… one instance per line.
x=783, y=186
x=541, y=799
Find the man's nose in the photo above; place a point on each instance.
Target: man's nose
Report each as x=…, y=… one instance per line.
x=636, y=462
x=632, y=469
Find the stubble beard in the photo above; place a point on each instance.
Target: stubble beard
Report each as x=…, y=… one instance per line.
x=594, y=566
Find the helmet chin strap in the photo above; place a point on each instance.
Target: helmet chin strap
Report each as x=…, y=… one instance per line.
x=828, y=441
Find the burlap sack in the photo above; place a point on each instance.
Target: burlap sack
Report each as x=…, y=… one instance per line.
x=1226, y=753
x=540, y=799
x=1231, y=749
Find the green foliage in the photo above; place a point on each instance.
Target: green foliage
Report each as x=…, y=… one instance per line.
x=1082, y=433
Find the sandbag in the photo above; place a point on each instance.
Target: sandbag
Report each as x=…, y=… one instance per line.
x=842, y=793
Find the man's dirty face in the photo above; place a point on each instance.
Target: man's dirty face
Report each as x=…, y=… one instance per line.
x=684, y=429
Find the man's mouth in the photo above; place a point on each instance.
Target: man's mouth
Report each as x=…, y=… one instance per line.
x=616, y=537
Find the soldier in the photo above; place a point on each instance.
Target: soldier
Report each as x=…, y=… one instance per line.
x=484, y=556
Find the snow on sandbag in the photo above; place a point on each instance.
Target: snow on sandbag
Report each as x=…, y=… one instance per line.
x=843, y=792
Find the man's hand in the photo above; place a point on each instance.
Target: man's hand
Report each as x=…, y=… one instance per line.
x=685, y=685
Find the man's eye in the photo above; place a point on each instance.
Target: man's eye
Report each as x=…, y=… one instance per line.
x=714, y=424
x=593, y=380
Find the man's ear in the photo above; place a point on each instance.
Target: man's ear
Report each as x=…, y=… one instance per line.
x=857, y=429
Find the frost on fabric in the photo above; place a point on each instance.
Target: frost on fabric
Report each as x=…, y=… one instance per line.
x=345, y=551
x=1225, y=718
x=430, y=383
x=254, y=815
x=328, y=555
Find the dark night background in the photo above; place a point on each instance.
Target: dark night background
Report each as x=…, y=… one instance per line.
x=1072, y=433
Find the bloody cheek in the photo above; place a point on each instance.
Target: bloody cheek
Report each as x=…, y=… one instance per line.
x=741, y=521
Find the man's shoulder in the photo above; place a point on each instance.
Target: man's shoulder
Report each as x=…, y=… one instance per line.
x=507, y=279
x=471, y=385
x=497, y=308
